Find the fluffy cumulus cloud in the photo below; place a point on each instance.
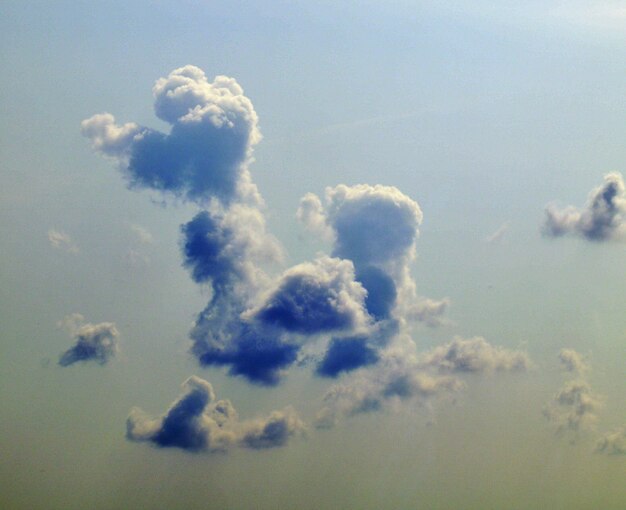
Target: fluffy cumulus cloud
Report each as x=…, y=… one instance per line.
x=213, y=131
x=602, y=219
x=198, y=422
x=92, y=342
x=613, y=443
x=316, y=297
x=474, y=355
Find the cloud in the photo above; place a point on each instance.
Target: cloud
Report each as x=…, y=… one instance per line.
x=573, y=361
x=573, y=408
x=429, y=311
x=143, y=235
x=62, y=241
x=97, y=342
x=603, y=218
x=316, y=297
x=374, y=225
x=213, y=131
x=256, y=353
x=497, y=236
x=474, y=355
x=197, y=422
x=395, y=377
x=613, y=443
x=345, y=355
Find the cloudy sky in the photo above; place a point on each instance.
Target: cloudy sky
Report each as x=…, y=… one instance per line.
x=313, y=254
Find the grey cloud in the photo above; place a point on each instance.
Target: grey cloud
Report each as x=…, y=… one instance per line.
x=93, y=342
x=603, y=218
x=429, y=311
x=197, y=422
x=613, y=443
x=573, y=361
x=394, y=377
x=573, y=408
x=474, y=355
x=205, y=154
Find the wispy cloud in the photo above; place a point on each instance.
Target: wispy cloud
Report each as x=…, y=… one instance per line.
x=62, y=241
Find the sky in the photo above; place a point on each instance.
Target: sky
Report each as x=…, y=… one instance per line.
x=312, y=254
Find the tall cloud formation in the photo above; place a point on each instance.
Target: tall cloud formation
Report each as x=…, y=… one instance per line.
x=93, y=342
x=603, y=218
x=198, y=422
x=213, y=131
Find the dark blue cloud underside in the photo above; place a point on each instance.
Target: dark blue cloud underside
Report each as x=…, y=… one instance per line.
x=381, y=291
x=204, y=244
x=345, y=355
x=257, y=357
x=303, y=306
x=180, y=428
x=196, y=159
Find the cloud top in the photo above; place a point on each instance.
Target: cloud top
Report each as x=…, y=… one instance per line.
x=213, y=131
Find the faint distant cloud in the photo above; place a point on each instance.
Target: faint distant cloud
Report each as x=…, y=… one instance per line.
x=429, y=311
x=602, y=219
x=93, y=342
x=143, y=235
x=197, y=422
x=474, y=355
x=497, y=236
x=573, y=409
x=613, y=443
x=62, y=241
x=573, y=361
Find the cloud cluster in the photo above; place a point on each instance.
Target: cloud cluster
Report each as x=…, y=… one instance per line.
x=603, y=218
x=613, y=443
x=474, y=355
x=198, y=422
x=395, y=377
x=213, y=131
x=93, y=342
x=574, y=407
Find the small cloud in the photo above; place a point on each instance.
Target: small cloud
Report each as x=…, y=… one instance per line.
x=573, y=361
x=62, y=241
x=197, y=422
x=93, y=342
x=613, y=443
x=602, y=219
x=474, y=355
x=573, y=408
x=143, y=235
x=429, y=311
x=497, y=236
